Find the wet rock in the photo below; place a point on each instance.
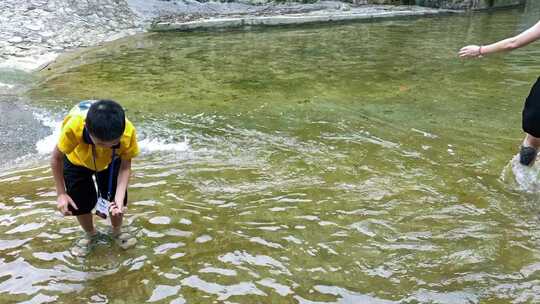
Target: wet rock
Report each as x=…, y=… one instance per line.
x=16, y=116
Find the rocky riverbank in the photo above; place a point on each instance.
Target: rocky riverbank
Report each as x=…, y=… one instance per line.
x=34, y=32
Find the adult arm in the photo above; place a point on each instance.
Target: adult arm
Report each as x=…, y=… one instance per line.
x=530, y=35
x=57, y=167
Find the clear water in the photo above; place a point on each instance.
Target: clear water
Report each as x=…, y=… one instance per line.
x=353, y=163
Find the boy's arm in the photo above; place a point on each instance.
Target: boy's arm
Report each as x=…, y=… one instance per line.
x=57, y=162
x=121, y=185
x=530, y=35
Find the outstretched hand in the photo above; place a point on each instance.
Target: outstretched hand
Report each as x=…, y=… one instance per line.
x=470, y=51
x=63, y=202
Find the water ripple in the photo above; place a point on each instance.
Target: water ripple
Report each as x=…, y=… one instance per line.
x=222, y=291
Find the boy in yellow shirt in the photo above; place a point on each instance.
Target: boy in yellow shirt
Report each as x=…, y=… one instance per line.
x=96, y=140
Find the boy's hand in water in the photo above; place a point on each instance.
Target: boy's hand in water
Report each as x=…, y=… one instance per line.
x=470, y=51
x=116, y=209
x=63, y=202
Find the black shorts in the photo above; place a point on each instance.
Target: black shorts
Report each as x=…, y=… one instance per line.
x=531, y=111
x=81, y=187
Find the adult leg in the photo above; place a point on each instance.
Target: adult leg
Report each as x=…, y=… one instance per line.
x=529, y=150
x=531, y=141
x=531, y=126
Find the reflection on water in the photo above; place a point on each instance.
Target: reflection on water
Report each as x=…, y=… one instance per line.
x=356, y=163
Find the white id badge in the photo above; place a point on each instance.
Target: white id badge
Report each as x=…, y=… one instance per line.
x=102, y=207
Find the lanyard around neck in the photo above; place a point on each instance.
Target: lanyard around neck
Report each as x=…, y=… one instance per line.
x=111, y=171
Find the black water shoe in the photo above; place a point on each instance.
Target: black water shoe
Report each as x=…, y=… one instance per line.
x=527, y=155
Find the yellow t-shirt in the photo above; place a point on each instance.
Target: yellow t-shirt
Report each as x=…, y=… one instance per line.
x=79, y=152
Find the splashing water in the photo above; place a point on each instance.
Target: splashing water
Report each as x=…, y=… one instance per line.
x=520, y=177
x=47, y=144
x=147, y=143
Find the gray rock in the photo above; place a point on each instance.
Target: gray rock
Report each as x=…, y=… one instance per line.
x=17, y=116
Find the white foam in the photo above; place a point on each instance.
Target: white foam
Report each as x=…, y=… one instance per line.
x=6, y=86
x=149, y=144
x=47, y=144
x=158, y=145
x=520, y=177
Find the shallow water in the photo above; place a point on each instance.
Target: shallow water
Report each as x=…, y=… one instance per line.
x=353, y=163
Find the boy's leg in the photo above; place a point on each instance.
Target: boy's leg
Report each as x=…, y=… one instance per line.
x=116, y=223
x=80, y=187
x=124, y=239
x=87, y=223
